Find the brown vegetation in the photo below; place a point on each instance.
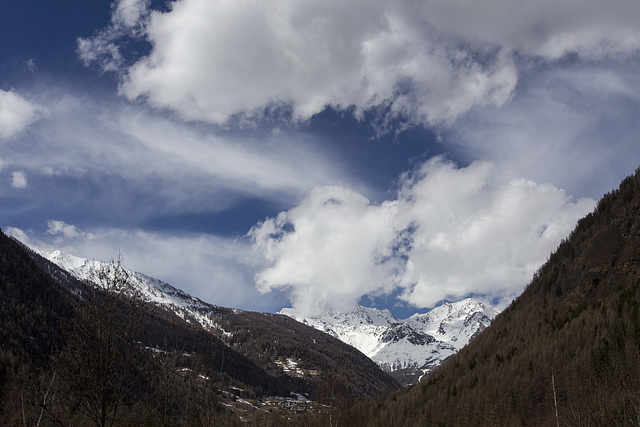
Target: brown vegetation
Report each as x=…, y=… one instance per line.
x=566, y=352
x=72, y=353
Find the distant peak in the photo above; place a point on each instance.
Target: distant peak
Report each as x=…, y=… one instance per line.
x=358, y=313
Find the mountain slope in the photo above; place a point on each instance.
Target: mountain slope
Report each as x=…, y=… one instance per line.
x=151, y=290
x=567, y=351
x=31, y=311
x=184, y=369
x=410, y=348
x=275, y=343
x=41, y=322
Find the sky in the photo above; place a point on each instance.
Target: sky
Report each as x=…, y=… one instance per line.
x=316, y=154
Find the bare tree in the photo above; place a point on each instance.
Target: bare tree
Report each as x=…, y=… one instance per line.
x=100, y=360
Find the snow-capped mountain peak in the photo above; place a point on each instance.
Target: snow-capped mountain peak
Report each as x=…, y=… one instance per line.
x=146, y=288
x=455, y=323
x=411, y=347
x=360, y=328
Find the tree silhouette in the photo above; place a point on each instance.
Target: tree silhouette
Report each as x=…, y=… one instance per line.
x=100, y=359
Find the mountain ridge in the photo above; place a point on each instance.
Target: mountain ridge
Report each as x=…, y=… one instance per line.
x=247, y=332
x=564, y=352
x=152, y=290
x=407, y=348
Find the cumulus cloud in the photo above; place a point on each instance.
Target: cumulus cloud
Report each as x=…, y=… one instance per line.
x=16, y=113
x=212, y=268
x=426, y=62
x=19, y=179
x=450, y=232
x=473, y=236
x=333, y=247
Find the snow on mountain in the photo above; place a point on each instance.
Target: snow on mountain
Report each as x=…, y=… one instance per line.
x=455, y=323
x=155, y=291
x=407, y=349
x=411, y=347
x=362, y=328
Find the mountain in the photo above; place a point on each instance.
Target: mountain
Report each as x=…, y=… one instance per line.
x=411, y=348
x=565, y=352
x=177, y=360
x=273, y=341
x=150, y=290
x=406, y=349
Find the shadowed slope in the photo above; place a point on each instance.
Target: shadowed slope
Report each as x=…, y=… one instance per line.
x=570, y=343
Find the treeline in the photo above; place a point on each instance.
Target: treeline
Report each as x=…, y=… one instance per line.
x=566, y=352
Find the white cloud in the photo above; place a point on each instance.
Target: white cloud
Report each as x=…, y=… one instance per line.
x=340, y=249
x=19, y=234
x=127, y=19
x=16, y=114
x=547, y=28
x=212, y=60
x=473, y=236
x=451, y=232
x=30, y=66
x=427, y=62
x=19, y=179
x=128, y=13
x=65, y=231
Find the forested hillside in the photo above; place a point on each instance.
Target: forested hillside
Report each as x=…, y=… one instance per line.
x=86, y=357
x=566, y=352
x=279, y=343
x=72, y=353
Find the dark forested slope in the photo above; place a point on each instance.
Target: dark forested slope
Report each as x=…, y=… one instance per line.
x=279, y=343
x=31, y=311
x=75, y=354
x=567, y=351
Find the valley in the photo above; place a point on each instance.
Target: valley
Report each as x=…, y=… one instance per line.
x=564, y=352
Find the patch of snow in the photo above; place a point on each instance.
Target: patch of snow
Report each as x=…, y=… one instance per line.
x=290, y=366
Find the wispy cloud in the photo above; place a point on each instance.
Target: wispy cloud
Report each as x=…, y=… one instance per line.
x=574, y=126
x=215, y=269
x=16, y=113
x=110, y=155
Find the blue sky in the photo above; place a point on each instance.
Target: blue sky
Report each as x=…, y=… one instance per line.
x=316, y=154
